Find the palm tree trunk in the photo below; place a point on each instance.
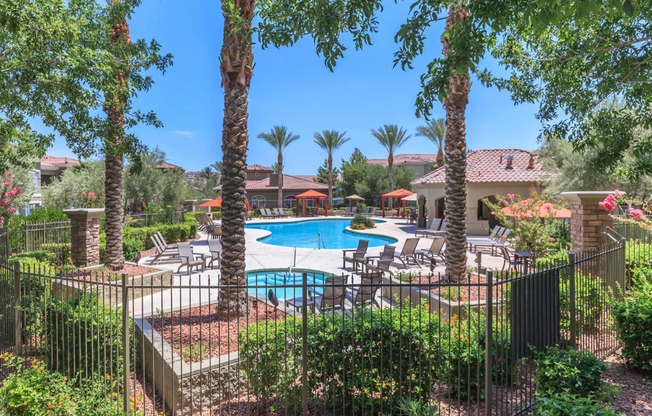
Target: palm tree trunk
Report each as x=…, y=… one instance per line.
x=280, y=180
x=440, y=157
x=236, y=68
x=390, y=178
x=113, y=156
x=455, y=142
x=330, y=181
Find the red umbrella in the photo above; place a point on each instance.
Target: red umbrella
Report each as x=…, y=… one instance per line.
x=217, y=202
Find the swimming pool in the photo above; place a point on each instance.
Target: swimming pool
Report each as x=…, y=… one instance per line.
x=304, y=234
x=261, y=281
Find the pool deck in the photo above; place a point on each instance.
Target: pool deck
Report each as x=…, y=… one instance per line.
x=265, y=256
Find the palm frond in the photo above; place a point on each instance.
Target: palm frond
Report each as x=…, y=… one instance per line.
x=391, y=137
x=279, y=137
x=330, y=140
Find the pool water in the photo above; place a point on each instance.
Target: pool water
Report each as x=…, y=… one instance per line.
x=261, y=282
x=304, y=234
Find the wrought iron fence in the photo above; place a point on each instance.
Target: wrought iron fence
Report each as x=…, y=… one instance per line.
x=306, y=342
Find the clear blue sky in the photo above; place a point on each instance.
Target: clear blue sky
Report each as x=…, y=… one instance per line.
x=292, y=86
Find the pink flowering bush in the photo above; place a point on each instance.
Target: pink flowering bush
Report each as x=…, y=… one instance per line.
x=637, y=215
x=8, y=194
x=531, y=221
x=91, y=200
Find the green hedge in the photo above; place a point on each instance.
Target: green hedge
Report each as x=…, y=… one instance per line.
x=633, y=319
x=568, y=370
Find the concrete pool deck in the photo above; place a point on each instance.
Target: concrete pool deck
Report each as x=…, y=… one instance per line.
x=260, y=255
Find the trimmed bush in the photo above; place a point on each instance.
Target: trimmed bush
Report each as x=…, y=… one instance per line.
x=565, y=404
x=61, y=251
x=364, y=220
x=568, y=371
x=633, y=321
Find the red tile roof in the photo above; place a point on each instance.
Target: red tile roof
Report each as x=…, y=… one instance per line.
x=52, y=161
x=405, y=159
x=297, y=182
x=257, y=168
x=166, y=165
x=489, y=165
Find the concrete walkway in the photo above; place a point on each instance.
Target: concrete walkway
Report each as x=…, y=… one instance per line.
x=260, y=255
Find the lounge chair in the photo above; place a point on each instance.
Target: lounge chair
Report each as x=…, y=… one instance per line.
x=409, y=252
x=372, y=211
x=380, y=263
x=266, y=213
x=365, y=211
x=188, y=259
x=215, y=249
x=354, y=211
x=162, y=251
x=437, y=227
x=353, y=255
x=369, y=286
x=494, y=241
x=214, y=231
x=435, y=251
x=163, y=243
x=347, y=211
x=280, y=212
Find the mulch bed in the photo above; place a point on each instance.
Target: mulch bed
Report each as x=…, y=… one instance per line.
x=203, y=326
x=635, y=396
x=459, y=292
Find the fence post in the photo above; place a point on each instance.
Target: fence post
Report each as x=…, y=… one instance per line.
x=571, y=289
x=125, y=342
x=488, y=344
x=304, y=345
x=18, y=314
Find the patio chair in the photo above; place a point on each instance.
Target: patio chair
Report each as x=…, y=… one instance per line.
x=188, y=259
x=509, y=260
x=214, y=231
x=215, y=249
x=409, y=252
x=333, y=295
x=494, y=241
x=347, y=211
x=354, y=211
x=372, y=211
x=161, y=251
x=435, y=226
x=369, y=286
x=353, y=255
x=163, y=243
x=380, y=263
x=365, y=211
x=435, y=251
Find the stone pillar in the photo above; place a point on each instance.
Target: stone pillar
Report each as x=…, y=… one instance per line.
x=421, y=204
x=190, y=205
x=85, y=235
x=588, y=219
x=205, y=209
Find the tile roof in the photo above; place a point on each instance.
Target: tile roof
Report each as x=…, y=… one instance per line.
x=406, y=158
x=52, y=161
x=166, y=165
x=489, y=165
x=257, y=168
x=299, y=182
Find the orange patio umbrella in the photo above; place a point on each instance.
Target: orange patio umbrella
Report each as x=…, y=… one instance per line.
x=399, y=194
x=542, y=210
x=312, y=194
x=217, y=202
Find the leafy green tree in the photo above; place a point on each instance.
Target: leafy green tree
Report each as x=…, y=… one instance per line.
x=330, y=141
x=353, y=171
x=66, y=192
x=579, y=61
x=374, y=182
x=435, y=131
x=391, y=137
x=322, y=175
x=279, y=138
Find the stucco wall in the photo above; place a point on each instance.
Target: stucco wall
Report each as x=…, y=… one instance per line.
x=475, y=192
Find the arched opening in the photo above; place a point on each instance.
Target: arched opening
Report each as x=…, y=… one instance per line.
x=484, y=212
x=258, y=202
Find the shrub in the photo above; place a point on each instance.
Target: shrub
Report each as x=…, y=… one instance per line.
x=591, y=297
x=361, y=219
x=568, y=370
x=61, y=251
x=638, y=254
x=633, y=322
x=31, y=389
x=642, y=276
x=131, y=247
x=83, y=336
x=564, y=404
x=358, y=226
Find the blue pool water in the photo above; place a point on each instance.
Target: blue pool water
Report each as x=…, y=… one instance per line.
x=260, y=282
x=303, y=234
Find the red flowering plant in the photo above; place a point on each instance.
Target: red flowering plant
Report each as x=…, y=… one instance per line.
x=532, y=221
x=8, y=193
x=91, y=200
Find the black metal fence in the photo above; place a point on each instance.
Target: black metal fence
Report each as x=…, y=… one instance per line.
x=305, y=342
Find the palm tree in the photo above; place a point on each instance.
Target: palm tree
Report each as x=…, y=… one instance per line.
x=217, y=166
x=275, y=167
x=330, y=141
x=236, y=69
x=435, y=130
x=114, y=162
x=391, y=137
x=455, y=103
x=279, y=138
x=206, y=174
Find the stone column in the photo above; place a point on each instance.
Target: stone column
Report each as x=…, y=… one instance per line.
x=85, y=235
x=421, y=218
x=205, y=209
x=190, y=205
x=588, y=219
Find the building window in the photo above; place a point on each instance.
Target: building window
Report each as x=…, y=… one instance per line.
x=290, y=201
x=258, y=202
x=256, y=174
x=36, y=178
